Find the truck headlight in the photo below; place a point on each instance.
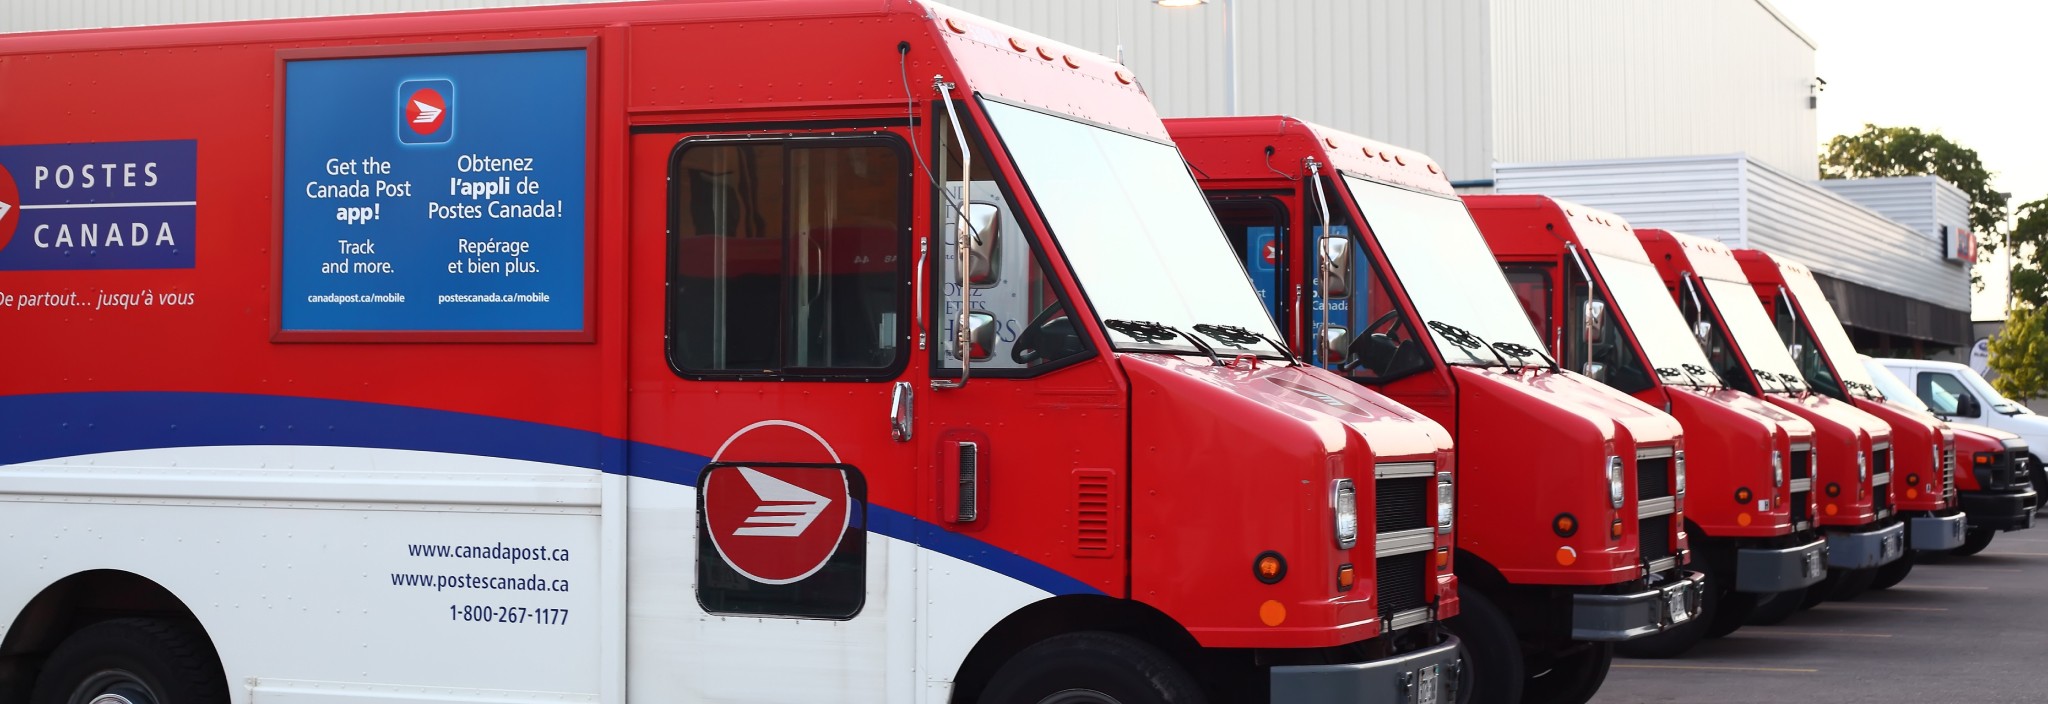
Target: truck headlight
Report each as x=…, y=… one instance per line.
x=1777, y=468
x=1344, y=502
x=1614, y=480
x=1446, y=502
x=1678, y=459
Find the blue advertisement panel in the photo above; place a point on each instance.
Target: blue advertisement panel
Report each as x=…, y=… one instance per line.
x=435, y=193
x=1259, y=254
x=98, y=205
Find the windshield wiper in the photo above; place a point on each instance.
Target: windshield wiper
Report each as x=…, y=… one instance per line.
x=1791, y=382
x=1697, y=372
x=1465, y=339
x=1239, y=337
x=1148, y=332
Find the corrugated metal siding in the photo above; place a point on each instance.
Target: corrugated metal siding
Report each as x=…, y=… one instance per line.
x=1600, y=79
x=1694, y=195
x=1832, y=235
x=35, y=15
x=1909, y=200
x=1408, y=72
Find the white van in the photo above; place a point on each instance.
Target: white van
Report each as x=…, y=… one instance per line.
x=1958, y=393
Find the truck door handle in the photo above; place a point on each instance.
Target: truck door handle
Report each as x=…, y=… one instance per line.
x=900, y=412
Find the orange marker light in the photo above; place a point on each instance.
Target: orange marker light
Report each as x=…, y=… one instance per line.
x=1443, y=558
x=1272, y=613
x=1566, y=556
x=1831, y=509
x=1345, y=577
x=1912, y=493
x=1614, y=529
x=1270, y=567
x=1565, y=525
x=1742, y=519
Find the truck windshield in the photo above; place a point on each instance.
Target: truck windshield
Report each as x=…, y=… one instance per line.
x=1752, y=331
x=1138, y=234
x=1636, y=288
x=1820, y=324
x=1449, y=275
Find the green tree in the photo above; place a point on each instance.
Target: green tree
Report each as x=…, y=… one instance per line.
x=1907, y=151
x=2030, y=254
x=2019, y=354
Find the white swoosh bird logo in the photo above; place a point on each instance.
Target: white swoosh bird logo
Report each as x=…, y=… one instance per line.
x=428, y=113
x=786, y=510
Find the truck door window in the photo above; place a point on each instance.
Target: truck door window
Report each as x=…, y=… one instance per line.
x=1612, y=359
x=1257, y=230
x=1034, y=330
x=1812, y=364
x=1942, y=392
x=1369, y=336
x=788, y=257
x=1531, y=285
x=1721, y=354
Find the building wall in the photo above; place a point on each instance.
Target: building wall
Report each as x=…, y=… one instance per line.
x=1608, y=79
x=1694, y=195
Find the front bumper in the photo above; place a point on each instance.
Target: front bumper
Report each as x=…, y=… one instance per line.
x=1768, y=571
x=1867, y=549
x=1935, y=533
x=2001, y=510
x=1426, y=676
x=1616, y=617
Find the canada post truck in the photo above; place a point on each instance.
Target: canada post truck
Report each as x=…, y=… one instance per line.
x=1570, y=494
x=1587, y=286
x=1851, y=467
x=778, y=351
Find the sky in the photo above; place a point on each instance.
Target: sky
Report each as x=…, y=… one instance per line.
x=1964, y=68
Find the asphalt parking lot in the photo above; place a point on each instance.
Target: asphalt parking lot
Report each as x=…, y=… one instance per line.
x=1959, y=629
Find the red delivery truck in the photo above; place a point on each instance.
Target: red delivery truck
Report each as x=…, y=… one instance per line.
x=1570, y=494
x=1852, y=452
x=1587, y=286
x=1924, y=453
x=1992, y=470
x=641, y=352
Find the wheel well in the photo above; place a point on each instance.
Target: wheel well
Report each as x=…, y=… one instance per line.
x=1068, y=614
x=75, y=602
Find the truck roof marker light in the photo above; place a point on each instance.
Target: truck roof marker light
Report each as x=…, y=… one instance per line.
x=1071, y=62
x=1399, y=160
x=1270, y=568
x=1566, y=556
x=1564, y=525
x=1385, y=157
x=1272, y=613
x=1124, y=77
x=1367, y=151
x=1019, y=45
x=1432, y=168
x=954, y=24
x=1330, y=142
x=1043, y=54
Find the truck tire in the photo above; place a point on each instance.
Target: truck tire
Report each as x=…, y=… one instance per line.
x=1773, y=609
x=140, y=660
x=1493, y=653
x=1731, y=613
x=1092, y=667
x=1572, y=679
x=1974, y=542
x=1854, y=583
x=1822, y=590
x=1681, y=638
x=2039, y=474
x=1894, y=572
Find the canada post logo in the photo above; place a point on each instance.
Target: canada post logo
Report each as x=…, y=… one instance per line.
x=776, y=525
x=98, y=205
x=425, y=110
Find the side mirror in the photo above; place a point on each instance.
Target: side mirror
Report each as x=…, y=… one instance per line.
x=1796, y=350
x=981, y=336
x=1597, y=371
x=1595, y=313
x=1336, y=344
x=1704, y=331
x=1968, y=406
x=987, y=222
x=1336, y=267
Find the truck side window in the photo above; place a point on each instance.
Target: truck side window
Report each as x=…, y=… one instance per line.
x=1719, y=352
x=1257, y=229
x=1942, y=392
x=1008, y=288
x=1613, y=359
x=1808, y=353
x=787, y=256
x=1531, y=285
x=1369, y=331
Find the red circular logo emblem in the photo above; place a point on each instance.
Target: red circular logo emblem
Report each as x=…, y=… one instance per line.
x=775, y=525
x=426, y=110
x=10, y=206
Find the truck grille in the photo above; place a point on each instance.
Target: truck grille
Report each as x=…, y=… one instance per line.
x=1881, y=498
x=1656, y=540
x=1948, y=475
x=1802, y=464
x=1802, y=507
x=1653, y=478
x=1402, y=581
x=1403, y=503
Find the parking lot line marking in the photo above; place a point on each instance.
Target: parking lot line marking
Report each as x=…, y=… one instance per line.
x=1878, y=607
x=2021, y=554
x=1824, y=634
x=1983, y=569
x=1910, y=587
x=1799, y=670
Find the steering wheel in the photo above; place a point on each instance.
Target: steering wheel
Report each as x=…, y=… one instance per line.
x=1025, y=349
x=1385, y=320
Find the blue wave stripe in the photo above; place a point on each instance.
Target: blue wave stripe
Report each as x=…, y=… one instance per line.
x=48, y=426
